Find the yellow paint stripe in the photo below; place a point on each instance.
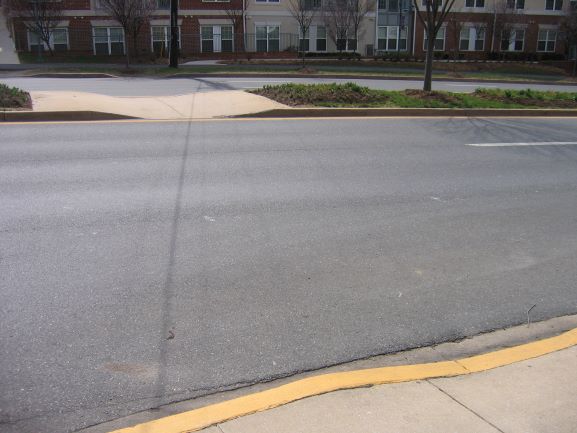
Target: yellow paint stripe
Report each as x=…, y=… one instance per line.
x=216, y=413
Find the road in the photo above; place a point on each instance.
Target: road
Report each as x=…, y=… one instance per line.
x=149, y=262
x=176, y=86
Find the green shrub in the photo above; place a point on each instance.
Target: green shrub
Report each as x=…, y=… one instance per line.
x=12, y=97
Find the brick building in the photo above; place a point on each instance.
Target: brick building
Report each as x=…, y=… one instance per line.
x=474, y=29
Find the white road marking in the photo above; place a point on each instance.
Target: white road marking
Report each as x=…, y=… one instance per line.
x=536, y=143
x=252, y=81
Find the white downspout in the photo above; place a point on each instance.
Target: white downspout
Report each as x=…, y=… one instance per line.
x=414, y=30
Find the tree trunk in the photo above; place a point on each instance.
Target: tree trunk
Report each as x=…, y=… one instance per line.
x=575, y=64
x=427, y=83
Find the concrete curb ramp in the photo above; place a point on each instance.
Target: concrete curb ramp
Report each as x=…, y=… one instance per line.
x=198, y=419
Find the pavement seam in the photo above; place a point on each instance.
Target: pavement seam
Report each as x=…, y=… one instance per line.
x=198, y=419
x=478, y=415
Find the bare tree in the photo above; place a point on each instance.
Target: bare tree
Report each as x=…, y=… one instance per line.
x=237, y=16
x=40, y=17
x=338, y=22
x=505, y=18
x=435, y=14
x=455, y=27
x=303, y=11
x=358, y=12
x=132, y=15
x=569, y=29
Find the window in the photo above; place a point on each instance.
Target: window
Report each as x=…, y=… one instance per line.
x=321, y=38
x=513, y=40
x=216, y=39
x=108, y=41
x=546, y=41
x=58, y=41
x=516, y=4
x=267, y=38
x=439, y=41
x=267, y=1
x=312, y=4
x=389, y=38
x=163, y=4
x=161, y=40
x=472, y=39
x=475, y=4
x=554, y=5
x=438, y=2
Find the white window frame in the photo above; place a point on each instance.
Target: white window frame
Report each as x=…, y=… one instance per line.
x=472, y=38
x=516, y=4
x=219, y=45
x=555, y=4
x=547, y=40
x=167, y=35
x=397, y=32
x=476, y=4
x=316, y=39
x=513, y=40
x=268, y=39
x=41, y=42
x=442, y=29
x=109, y=40
x=424, y=4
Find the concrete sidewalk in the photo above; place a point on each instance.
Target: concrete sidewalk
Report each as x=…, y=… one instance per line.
x=189, y=106
x=534, y=396
x=8, y=55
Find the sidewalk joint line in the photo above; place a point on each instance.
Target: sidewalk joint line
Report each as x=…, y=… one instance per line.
x=466, y=407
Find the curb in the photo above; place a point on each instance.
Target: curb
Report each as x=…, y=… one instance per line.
x=409, y=112
x=71, y=75
x=359, y=77
x=58, y=116
x=198, y=419
x=291, y=75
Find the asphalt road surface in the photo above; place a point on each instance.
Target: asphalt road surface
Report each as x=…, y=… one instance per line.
x=144, y=263
x=176, y=86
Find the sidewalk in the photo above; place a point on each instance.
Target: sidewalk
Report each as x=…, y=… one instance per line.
x=191, y=106
x=8, y=55
x=534, y=396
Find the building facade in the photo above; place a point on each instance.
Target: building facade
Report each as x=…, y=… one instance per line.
x=220, y=28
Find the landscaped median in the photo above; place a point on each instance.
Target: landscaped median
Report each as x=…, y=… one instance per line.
x=350, y=99
x=12, y=98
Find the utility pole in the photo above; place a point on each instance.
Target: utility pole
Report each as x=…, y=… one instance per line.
x=174, y=34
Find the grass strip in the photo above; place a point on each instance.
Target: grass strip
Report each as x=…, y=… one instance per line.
x=353, y=95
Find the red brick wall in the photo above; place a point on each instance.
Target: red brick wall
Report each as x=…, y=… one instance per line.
x=531, y=22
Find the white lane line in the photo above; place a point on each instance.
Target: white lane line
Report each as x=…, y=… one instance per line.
x=471, y=85
x=536, y=143
x=256, y=81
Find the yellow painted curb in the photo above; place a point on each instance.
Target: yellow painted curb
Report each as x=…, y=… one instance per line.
x=198, y=419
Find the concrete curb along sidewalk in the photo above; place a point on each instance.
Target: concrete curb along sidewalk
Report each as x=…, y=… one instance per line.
x=287, y=113
x=220, y=412
x=411, y=112
x=58, y=116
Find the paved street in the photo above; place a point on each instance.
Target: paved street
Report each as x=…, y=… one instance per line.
x=176, y=86
x=143, y=263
